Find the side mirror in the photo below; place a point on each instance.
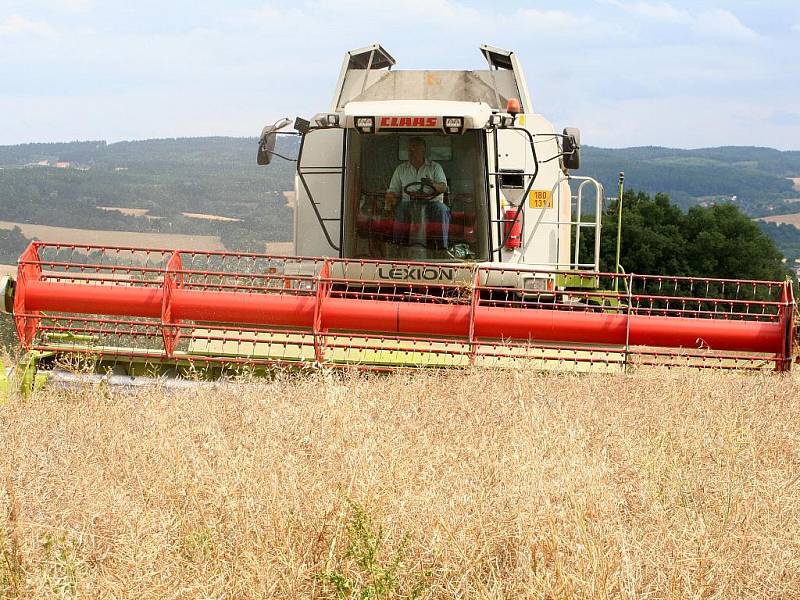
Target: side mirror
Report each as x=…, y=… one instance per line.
x=266, y=142
x=266, y=146
x=571, y=148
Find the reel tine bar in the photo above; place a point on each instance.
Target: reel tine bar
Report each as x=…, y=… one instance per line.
x=237, y=308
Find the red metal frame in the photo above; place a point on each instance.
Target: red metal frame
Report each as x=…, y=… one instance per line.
x=124, y=296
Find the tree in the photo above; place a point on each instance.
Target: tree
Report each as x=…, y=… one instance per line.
x=652, y=241
x=12, y=243
x=659, y=238
x=724, y=242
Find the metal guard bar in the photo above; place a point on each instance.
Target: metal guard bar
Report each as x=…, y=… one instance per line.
x=220, y=307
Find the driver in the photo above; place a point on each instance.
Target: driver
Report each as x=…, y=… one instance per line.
x=431, y=185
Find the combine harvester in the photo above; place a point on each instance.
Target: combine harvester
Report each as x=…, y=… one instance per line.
x=491, y=258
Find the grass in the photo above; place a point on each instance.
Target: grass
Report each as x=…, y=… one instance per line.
x=476, y=484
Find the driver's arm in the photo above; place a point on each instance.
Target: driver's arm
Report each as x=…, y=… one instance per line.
x=391, y=199
x=394, y=191
x=439, y=182
x=439, y=186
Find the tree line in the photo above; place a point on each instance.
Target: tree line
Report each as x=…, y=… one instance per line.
x=659, y=238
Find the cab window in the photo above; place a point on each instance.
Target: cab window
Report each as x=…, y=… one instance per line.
x=396, y=207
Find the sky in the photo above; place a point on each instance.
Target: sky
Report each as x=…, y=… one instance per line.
x=626, y=72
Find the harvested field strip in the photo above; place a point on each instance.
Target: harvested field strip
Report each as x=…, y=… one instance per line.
x=791, y=219
x=471, y=484
x=66, y=235
x=131, y=212
x=207, y=217
x=142, y=212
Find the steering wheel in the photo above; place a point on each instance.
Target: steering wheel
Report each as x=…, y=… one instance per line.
x=420, y=190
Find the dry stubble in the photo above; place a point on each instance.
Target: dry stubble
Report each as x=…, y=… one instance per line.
x=502, y=484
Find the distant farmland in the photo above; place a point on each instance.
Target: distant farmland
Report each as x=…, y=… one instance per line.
x=67, y=235
x=791, y=219
x=143, y=212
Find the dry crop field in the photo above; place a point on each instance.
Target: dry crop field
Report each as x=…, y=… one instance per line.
x=430, y=485
x=68, y=235
x=791, y=219
x=143, y=212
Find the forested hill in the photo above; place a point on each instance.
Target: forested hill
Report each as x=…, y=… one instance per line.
x=756, y=179
x=74, y=184
x=223, y=172
x=219, y=151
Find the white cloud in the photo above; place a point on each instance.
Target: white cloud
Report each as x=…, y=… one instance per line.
x=445, y=11
x=723, y=23
x=660, y=11
x=435, y=12
x=714, y=23
x=561, y=28
x=19, y=25
x=269, y=14
x=684, y=121
x=553, y=18
x=76, y=5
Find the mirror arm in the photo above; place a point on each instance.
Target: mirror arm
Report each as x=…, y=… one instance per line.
x=273, y=153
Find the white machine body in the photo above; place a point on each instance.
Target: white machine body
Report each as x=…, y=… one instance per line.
x=509, y=196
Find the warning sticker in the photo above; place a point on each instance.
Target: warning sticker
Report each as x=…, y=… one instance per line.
x=540, y=199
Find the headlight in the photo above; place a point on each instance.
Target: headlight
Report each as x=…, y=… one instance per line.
x=329, y=120
x=453, y=124
x=365, y=124
x=507, y=120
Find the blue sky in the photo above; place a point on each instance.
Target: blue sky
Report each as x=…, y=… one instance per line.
x=627, y=72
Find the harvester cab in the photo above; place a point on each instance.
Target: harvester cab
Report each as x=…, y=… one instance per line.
x=489, y=183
